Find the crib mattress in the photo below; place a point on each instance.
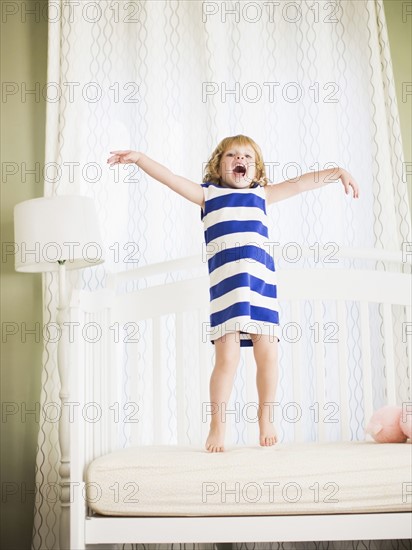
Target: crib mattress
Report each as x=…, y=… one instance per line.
x=288, y=478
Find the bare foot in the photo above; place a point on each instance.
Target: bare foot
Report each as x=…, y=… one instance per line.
x=215, y=440
x=268, y=435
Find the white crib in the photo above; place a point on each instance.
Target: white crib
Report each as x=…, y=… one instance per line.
x=113, y=307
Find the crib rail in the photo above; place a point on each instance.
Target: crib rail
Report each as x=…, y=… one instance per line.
x=395, y=257
x=302, y=284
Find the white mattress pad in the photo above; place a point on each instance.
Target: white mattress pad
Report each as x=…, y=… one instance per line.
x=288, y=478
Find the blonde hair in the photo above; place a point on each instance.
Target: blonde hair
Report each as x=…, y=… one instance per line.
x=212, y=167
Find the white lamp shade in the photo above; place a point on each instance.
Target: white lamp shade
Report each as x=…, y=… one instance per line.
x=52, y=229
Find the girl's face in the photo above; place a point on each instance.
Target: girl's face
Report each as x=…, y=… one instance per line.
x=238, y=166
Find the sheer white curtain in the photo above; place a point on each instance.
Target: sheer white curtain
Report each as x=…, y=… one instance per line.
x=311, y=82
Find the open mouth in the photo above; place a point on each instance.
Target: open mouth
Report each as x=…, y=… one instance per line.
x=239, y=169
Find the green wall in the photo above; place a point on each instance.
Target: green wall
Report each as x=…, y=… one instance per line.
x=400, y=40
x=24, y=60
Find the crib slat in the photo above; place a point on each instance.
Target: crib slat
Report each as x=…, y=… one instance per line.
x=111, y=388
x=389, y=357
x=251, y=395
x=406, y=335
x=133, y=410
x=366, y=361
x=93, y=363
x=297, y=371
x=343, y=370
x=98, y=318
x=203, y=377
x=103, y=375
x=97, y=434
x=157, y=380
x=115, y=382
x=228, y=418
x=103, y=401
x=320, y=370
x=180, y=380
x=88, y=396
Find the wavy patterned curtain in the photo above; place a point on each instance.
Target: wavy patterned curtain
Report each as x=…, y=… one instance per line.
x=312, y=83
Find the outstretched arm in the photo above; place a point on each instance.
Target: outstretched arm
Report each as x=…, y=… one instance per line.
x=309, y=181
x=187, y=188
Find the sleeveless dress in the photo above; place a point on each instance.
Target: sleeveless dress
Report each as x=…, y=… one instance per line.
x=243, y=294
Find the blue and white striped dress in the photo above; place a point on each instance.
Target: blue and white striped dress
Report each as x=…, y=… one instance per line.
x=243, y=295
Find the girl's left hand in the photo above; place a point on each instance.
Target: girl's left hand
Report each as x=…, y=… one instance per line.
x=349, y=181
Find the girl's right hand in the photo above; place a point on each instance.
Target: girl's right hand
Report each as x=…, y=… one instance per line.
x=123, y=157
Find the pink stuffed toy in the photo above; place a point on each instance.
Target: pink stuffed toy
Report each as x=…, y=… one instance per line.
x=389, y=425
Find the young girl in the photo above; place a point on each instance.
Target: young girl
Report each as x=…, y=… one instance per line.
x=233, y=200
